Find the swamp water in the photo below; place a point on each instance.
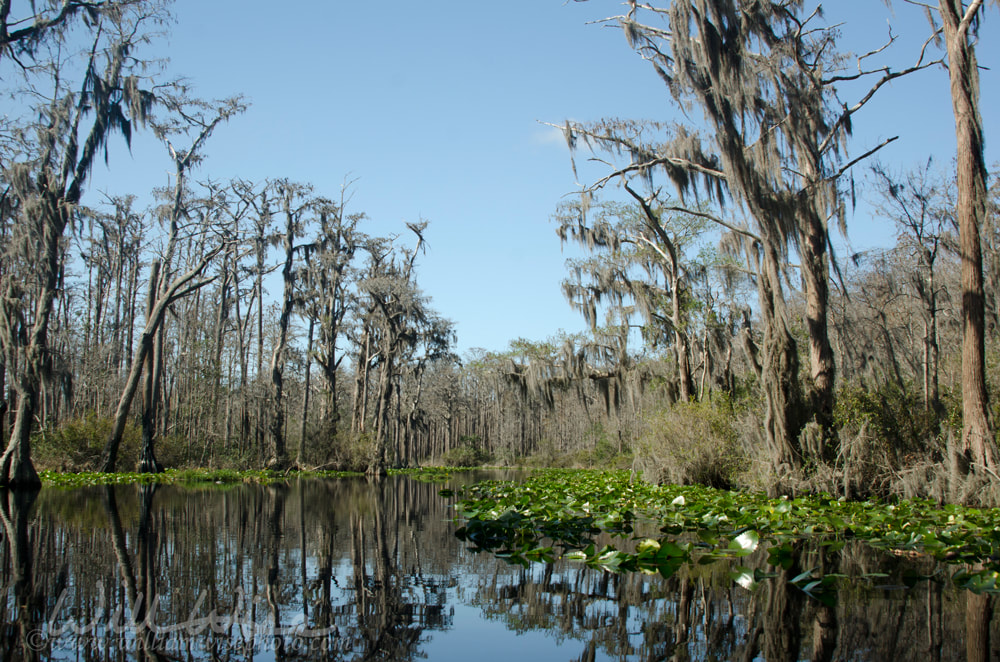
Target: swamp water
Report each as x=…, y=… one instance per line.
x=351, y=570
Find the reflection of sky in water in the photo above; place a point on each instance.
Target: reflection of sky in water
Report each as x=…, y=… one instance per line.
x=482, y=640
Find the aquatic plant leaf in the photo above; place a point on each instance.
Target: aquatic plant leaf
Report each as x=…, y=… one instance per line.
x=780, y=555
x=744, y=577
x=708, y=537
x=746, y=542
x=670, y=549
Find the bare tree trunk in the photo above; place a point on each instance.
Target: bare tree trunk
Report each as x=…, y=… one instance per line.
x=278, y=454
x=259, y=284
x=17, y=468
x=360, y=411
x=977, y=445
x=681, y=343
x=300, y=456
x=221, y=318
x=377, y=466
x=150, y=391
x=4, y=401
x=779, y=370
x=133, y=295
x=822, y=367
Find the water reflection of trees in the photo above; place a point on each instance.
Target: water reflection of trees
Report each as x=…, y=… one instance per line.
x=342, y=569
x=350, y=570
x=699, y=614
x=21, y=616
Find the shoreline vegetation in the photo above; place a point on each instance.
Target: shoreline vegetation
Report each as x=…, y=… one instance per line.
x=191, y=477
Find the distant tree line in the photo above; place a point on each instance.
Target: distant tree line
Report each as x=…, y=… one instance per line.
x=201, y=316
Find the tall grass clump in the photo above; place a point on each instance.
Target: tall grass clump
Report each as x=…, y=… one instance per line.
x=691, y=443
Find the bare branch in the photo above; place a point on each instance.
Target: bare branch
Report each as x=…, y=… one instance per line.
x=886, y=78
x=715, y=219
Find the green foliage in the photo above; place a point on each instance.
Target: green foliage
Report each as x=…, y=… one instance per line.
x=691, y=443
x=201, y=477
x=895, y=416
x=350, y=451
x=466, y=455
x=602, y=451
x=77, y=444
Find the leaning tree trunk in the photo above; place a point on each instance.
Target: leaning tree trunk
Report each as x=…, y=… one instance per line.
x=154, y=319
x=150, y=401
x=150, y=386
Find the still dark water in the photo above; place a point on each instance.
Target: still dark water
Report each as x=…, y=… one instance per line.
x=351, y=570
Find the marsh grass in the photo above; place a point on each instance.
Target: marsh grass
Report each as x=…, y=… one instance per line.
x=691, y=443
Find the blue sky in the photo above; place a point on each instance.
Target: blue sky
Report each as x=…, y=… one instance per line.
x=435, y=110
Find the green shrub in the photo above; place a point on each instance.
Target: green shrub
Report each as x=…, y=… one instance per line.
x=600, y=450
x=348, y=451
x=77, y=444
x=691, y=443
x=465, y=455
x=895, y=416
